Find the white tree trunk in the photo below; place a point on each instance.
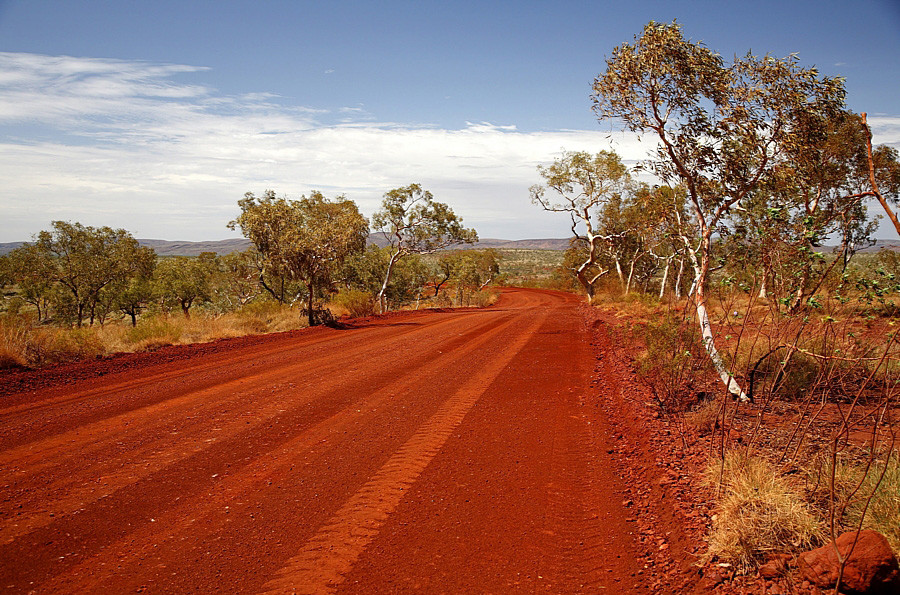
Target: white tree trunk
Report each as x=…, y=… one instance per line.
x=709, y=343
x=382, y=302
x=678, y=278
x=620, y=273
x=697, y=290
x=662, y=285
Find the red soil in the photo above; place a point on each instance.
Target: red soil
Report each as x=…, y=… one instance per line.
x=490, y=451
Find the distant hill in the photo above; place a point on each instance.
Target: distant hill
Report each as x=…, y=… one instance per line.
x=538, y=244
x=6, y=248
x=170, y=248
x=167, y=248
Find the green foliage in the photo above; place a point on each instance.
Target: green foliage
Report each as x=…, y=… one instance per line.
x=358, y=303
x=723, y=129
x=366, y=271
x=583, y=186
x=77, y=269
x=183, y=282
x=414, y=223
x=304, y=240
x=236, y=282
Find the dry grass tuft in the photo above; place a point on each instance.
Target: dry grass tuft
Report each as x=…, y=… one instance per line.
x=24, y=343
x=704, y=417
x=356, y=303
x=852, y=487
x=759, y=512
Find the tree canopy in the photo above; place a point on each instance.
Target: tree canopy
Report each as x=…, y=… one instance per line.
x=82, y=262
x=724, y=129
x=304, y=240
x=583, y=186
x=412, y=222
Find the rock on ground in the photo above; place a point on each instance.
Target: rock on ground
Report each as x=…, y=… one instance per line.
x=871, y=567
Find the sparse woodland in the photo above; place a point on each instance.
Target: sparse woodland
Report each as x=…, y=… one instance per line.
x=77, y=291
x=764, y=333
x=777, y=354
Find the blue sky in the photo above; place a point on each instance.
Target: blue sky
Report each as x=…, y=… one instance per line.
x=157, y=116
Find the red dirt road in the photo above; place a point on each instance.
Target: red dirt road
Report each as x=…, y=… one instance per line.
x=436, y=452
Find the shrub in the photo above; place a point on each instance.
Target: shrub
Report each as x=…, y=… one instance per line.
x=758, y=512
x=153, y=333
x=789, y=379
x=675, y=357
x=852, y=488
x=53, y=345
x=356, y=302
x=485, y=298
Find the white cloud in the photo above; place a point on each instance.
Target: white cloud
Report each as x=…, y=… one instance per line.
x=129, y=147
x=123, y=144
x=885, y=129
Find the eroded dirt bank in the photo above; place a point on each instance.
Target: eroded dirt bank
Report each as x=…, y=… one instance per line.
x=486, y=450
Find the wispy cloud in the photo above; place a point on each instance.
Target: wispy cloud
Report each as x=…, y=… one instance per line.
x=130, y=144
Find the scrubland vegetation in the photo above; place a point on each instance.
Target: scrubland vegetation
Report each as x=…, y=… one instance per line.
x=811, y=453
x=780, y=354
x=78, y=292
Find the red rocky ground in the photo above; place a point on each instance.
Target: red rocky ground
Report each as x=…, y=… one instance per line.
x=492, y=451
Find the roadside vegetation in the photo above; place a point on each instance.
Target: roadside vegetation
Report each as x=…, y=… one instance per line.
x=79, y=292
x=776, y=354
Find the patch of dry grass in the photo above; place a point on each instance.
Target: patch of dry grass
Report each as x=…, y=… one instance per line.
x=24, y=343
x=704, y=417
x=759, y=512
x=851, y=490
x=354, y=302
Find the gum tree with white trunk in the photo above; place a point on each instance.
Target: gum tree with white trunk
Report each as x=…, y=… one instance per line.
x=412, y=222
x=721, y=126
x=583, y=185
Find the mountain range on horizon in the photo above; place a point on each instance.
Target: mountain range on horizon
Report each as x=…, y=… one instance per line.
x=186, y=248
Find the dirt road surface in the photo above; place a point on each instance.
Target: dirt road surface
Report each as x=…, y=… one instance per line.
x=435, y=452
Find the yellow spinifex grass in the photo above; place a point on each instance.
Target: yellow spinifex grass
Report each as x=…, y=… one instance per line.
x=24, y=343
x=759, y=512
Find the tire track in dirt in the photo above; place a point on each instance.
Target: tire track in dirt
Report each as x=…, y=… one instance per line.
x=253, y=478
x=424, y=452
x=323, y=364
x=331, y=553
x=198, y=377
x=38, y=508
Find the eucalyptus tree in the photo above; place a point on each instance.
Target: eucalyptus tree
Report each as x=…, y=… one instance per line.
x=366, y=270
x=84, y=261
x=412, y=222
x=185, y=281
x=722, y=127
x=32, y=271
x=583, y=185
x=304, y=240
x=236, y=283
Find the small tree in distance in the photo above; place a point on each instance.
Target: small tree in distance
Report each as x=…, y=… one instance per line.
x=586, y=184
x=414, y=223
x=305, y=240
